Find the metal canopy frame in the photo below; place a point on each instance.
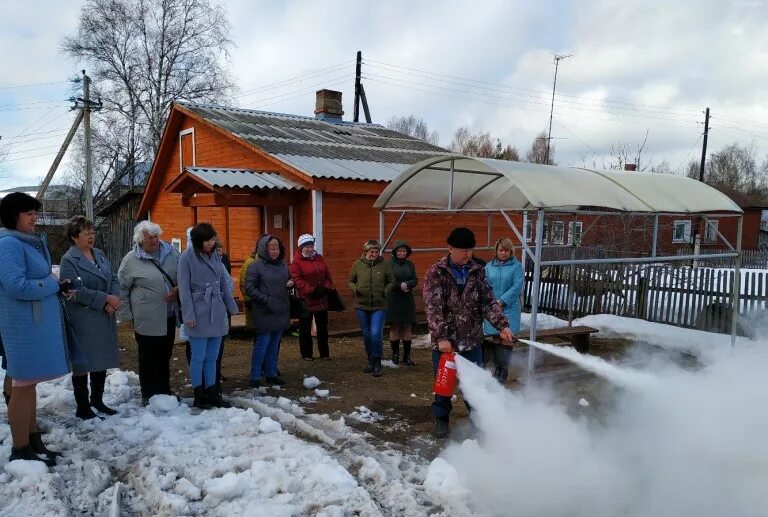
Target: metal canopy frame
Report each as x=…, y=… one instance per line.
x=535, y=254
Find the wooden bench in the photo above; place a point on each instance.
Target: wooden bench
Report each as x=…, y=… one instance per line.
x=577, y=336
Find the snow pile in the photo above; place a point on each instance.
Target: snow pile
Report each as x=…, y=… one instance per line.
x=311, y=382
x=389, y=364
x=323, y=394
x=688, y=443
x=365, y=415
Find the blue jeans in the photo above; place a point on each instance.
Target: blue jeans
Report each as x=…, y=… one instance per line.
x=205, y=350
x=441, y=407
x=266, y=346
x=372, y=327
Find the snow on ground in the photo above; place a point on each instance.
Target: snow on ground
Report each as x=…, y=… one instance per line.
x=311, y=382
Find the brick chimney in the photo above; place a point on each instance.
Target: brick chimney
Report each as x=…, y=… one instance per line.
x=328, y=106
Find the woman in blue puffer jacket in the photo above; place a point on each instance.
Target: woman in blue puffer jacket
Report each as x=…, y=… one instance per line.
x=505, y=275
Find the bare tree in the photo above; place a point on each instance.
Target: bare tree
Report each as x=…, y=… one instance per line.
x=623, y=154
x=538, y=151
x=663, y=167
x=145, y=54
x=734, y=168
x=413, y=126
x=481, y=145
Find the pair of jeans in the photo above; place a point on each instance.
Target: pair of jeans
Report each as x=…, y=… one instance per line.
x=266, y=346
x=372, y=327
x=305, y=333
x=501, y=356
x=154, y=357
x=202, y=365
x=218, y=359
x=441, y=407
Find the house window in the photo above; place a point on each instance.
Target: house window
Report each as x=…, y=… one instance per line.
x=574, y=232
x=187, y=156
x=681, y=231
x=558, y=232
x=710, y=231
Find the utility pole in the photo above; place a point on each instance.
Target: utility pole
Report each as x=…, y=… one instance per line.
x=558, y=57
x=87, y=129
x=704, y=145
x=360, y=91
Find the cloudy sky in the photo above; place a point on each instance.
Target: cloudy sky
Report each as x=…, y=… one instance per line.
x=636, y=67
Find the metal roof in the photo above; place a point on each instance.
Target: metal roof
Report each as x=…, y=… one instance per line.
x=242, y=178
x=337, y=143
x=452, y=182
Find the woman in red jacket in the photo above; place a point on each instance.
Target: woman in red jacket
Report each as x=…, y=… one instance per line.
x=313, y=281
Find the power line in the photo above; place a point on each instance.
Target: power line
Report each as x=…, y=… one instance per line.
x=304, y=89
x=689, y=152
x=9, y=86
x=299, y=78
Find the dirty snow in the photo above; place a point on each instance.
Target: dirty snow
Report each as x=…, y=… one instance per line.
x=311, y=382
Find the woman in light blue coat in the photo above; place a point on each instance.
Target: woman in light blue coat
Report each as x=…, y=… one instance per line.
x=505, y=275
x=31, y=321
x=206, y=300
x=92, y=312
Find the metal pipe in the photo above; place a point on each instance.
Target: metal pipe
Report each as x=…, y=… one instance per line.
x=450, y=192
x=572, y=272
x=637, y=214
x=637, y=260
x=736, y=294
x=535, y=292
x=524, y=244
x=717, y=231
x=524, y=240
x=550, y=210
x=443, y=248
x=381, y=226
x=394, y=229
x=655, y=234
x=490, y=229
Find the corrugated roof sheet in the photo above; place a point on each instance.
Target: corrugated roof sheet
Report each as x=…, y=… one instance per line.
x=242, y=178
x=335, y=145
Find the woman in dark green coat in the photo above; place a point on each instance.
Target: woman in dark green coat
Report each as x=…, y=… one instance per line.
x=401, y=307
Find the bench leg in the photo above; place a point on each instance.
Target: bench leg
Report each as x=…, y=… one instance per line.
x=581, y=343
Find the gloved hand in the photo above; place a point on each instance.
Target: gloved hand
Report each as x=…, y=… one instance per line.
x=319, y=292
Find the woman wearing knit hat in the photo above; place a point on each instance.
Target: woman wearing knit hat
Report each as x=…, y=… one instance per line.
x=312, y=279
x=371, y=280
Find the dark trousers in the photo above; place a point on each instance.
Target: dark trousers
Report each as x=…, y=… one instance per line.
x=154, y=357
x=305, y=333
x=441, y=407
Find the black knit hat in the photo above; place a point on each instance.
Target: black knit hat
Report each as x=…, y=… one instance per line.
x=462, y=238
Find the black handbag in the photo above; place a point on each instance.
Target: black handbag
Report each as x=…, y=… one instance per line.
x=334, y=300
x=297, y=305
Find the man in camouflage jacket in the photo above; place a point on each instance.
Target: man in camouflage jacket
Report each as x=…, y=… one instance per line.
x=457, y=298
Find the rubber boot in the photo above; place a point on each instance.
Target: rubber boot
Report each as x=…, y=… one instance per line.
x=395, y=351
x=377, y=366
x=369, y=368
x=38, y=447
x=201, y=398
x=441, y=428
x=275, y=381
x=214, y=397
x=26, y=453
x=97, y=393
x=80, y=387
x=407, y=361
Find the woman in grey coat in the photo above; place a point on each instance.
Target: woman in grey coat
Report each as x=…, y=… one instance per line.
x=206, y=300
x=266, y=284
x=149, y=294
x=92, y=314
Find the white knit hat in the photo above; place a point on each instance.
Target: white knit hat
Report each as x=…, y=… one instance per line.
x=306, y=239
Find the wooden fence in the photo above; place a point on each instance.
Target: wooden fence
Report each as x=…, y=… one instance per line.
x=688, y=297
x=751, y=259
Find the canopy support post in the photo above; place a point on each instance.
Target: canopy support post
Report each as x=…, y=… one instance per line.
x=392, y=233
x=524, y=239
x=655, y=235
x=736, y=294
x=535, y=292
x=450, y=192
x=381, y=227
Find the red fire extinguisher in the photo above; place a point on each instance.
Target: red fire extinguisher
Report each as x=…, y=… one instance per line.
x=445, y=380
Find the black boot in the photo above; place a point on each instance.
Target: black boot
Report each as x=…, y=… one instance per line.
x=395, y=351
x=214, y=397
x=201, y=398
x=80, y=387
x=275, y=381
x=369, y=368
x=26, y=453
x=377, y=366
x=441, y=428
x=407, y=361
x=97, y=393
x=38, y=447
x=7, y=398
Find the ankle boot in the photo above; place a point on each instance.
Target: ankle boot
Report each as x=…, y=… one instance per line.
x=38, y=447
x=80, y=387
x=26, y=453
x=201, y=398
x=377, y=367
x=369, y=368
x=7, y=398
x=97, y=393
x=395, y=351
x=214, y=397
x=407, y=361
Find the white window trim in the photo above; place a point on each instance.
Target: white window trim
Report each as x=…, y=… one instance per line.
x=687, y=237
x=176, y=243
x=183, y=132
x=571, y=226
x=710, y=233
x=560, y=224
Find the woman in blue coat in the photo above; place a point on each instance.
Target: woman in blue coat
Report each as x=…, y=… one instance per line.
x=206, y=300
x=505, y=275
x=31, y=321
x=92, y=312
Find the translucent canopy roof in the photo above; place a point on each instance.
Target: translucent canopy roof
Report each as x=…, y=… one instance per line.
x=455, y=182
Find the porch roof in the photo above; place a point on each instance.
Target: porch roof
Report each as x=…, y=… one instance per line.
x=211, y=177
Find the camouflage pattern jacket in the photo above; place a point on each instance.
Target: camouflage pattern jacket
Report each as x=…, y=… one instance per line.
x=456, y=317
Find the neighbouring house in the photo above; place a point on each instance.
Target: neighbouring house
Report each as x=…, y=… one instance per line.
x=248, y=172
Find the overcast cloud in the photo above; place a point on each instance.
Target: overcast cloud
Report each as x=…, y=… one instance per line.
x=637, y=66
